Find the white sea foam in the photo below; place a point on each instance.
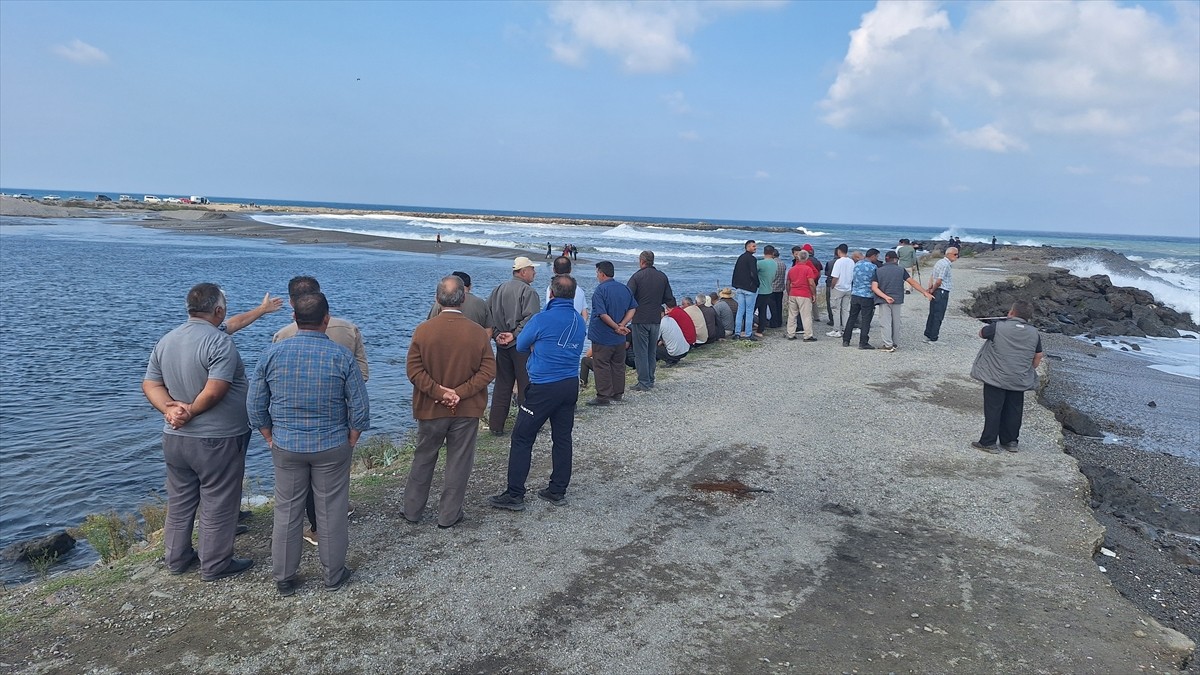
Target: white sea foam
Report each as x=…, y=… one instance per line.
x=630, y=232
x=976, y=239
x=811, y=233
x=634, y=252
x=1177, y=356
x=1174, y=296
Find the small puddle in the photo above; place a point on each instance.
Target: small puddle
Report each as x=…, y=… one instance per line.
x=734, y=487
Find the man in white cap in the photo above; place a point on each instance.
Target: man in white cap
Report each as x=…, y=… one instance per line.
x=510, y=306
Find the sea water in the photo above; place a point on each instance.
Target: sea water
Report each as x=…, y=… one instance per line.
x=86, y=299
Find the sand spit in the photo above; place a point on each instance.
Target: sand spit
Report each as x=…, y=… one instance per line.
x=884, y=544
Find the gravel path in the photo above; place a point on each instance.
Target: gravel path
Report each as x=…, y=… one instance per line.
x=883, y=542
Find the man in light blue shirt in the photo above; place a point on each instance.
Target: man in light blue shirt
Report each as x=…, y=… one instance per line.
x=939, y=286
x=862, y=300
x=309, y=401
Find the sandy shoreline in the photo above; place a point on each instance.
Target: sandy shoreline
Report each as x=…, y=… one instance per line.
x=885, y=544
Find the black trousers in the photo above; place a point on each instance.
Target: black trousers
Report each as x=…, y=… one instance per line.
x=828, y=304
x=1002, y=411
x=862, y=310
x=510, y=369
x=937, y=312
x=776, y=310
x=553, y=402
x=762, y=304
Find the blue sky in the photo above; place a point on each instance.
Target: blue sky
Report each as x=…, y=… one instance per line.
x=1062, y=116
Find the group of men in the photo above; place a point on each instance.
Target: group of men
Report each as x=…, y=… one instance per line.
x=308, y=397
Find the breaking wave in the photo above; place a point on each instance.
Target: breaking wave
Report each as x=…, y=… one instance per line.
x=1176, y=296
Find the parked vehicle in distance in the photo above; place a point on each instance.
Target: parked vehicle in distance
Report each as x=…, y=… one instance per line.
x=195, y=199
x=51, y=198
x=22, y=196
x=124, y=198
x=184, y=200
x=151, y=199
x=172, y=200
x=103, y=198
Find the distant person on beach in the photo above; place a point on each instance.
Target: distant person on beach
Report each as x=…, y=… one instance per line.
x=308, y=399
x=1007, y=366
x=237, y=322
x=340, y=331
x=745, y=290
x=674, y=343
x=562, y=265
x=196, y=379
x=613, y=309
x=939, y=286
x=549, y=250
x=801, y=289
x=906, y=258
x=439, y=240
x=450, y=365
x=862, y=301
x=696, y=316
x=993, y=243
x=651, y=289
x=842, y=280
x=888, y=287
x=553, y=341
x=473, y=307
x=726, y=308
x=510, y=307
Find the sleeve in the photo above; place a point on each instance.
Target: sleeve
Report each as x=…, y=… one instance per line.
x=668, y=294
x=415, y=366
x=1038, y=350
x=258, y=398
x=526, y=337
x=483, y=375
x=600, y=304
x=357, y=404
x=154, y=366
x=360, y=354
x=989, y=331
x=221, y=360
x=530, y=305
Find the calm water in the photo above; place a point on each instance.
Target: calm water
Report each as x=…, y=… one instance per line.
x=85, y=301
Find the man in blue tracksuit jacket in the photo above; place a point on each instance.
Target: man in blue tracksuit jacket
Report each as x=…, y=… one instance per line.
x=554, y=340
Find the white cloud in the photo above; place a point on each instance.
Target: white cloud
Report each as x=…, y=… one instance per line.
x=689, y=136
x=1017, y=72
x=645, y=37
x=677, y=102
x=81, y=52
x=761, y=175
x=1080, y=170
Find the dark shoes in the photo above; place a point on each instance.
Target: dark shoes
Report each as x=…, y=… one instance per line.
x=236, y=567
x=990, y=449
x=554, y=498
x=866, y=346
x=1011, y=447
x=598, y=401
x=195, y=560
x=242, y=515
x=640, y=387
x=287, y=588
x=341, y=580
x=497, y=433
x=810, y=339
x=241, y=529
x=508, y=501
x=460, y=519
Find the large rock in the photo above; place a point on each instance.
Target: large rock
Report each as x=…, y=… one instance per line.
x=1076, y=422
x=54, y=545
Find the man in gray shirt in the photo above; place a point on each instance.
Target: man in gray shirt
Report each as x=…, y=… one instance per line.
x=889, y=291
x=1007, y=366
x=473, y=307
x=196, y=379
x=510, y=306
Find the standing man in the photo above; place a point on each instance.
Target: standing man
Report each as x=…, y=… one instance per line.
x=839, y=298
x=1007, y=365
x=939, y=286
x=450, y=365
x=993, y=242
x=862, y=300
x=196, y=379
x=778, y=282
x=510, y=307
x=887, y=286
x=829, y=286
x=340, y=331
x=906, y=258
x=473, y=307
x=745, y=291
x=651, y=289
x=343, y=333
x=554, y=341
x=763, y=302
x=613, y=309
x=309, y=401
x=801, y=289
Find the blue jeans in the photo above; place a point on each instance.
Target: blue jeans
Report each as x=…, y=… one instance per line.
x=937, y=312
x=554, y=401
x=645, y=340
x=743, y=324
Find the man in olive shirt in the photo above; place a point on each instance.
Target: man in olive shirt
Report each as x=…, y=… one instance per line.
x=510, y=307
x=473, y=307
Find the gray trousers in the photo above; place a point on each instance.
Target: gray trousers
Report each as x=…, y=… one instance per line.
x=459, y=435
x=840, y=303
x=889, y=318
x=204, y=474
x=327, y=474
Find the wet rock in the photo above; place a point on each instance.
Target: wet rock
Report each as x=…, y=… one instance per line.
x=54, y=545
x=1076, y=422
x=1152, y=404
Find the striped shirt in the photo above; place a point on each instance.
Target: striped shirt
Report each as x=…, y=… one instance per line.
x=942, y=270
x=310, y=392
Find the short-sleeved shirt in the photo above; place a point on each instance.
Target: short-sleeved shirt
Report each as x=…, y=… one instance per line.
x=766, y=272
x=184, y=360
x=907, y=255
x=843, y=269
x=891, y=278
x=864, y=274
x=942, y=270
x=614, y=299
x=798, y=278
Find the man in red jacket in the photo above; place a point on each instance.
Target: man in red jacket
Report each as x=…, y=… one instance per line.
x=685, y=322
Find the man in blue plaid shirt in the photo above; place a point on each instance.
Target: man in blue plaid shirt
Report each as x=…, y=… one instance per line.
x=309, y=401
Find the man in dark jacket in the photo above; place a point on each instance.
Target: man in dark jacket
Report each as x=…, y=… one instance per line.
x=1007, y=365
x=745, y=291
x=651, y=289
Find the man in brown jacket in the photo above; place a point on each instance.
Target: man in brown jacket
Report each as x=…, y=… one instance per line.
x=450, y=365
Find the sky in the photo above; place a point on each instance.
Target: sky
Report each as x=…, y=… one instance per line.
x=1044, y=116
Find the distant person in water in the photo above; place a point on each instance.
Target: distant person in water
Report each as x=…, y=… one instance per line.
x=1007, y=366
x=439, y=239
x=549, y=250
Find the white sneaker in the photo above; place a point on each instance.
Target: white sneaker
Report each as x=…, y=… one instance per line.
x=834, y=333
x=929, y=342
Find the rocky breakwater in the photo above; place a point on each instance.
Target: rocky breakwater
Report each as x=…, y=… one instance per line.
x=1090, y=306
